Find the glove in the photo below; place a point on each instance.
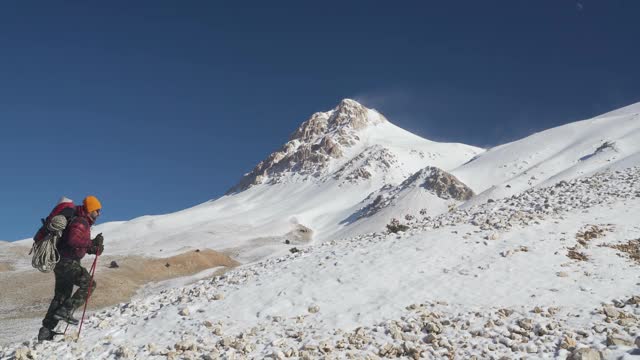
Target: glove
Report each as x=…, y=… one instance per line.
x=97, y=248
x=98, y=240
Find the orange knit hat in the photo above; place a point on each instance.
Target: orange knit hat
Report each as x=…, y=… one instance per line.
x=91, y=203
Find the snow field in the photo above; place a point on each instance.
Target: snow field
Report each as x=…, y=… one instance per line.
x=457, y=285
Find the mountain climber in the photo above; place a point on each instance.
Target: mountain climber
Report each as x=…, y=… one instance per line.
x=76, y=242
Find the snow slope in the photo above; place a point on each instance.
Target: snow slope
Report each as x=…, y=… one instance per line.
x=561, y=153
x=566, y=152
x=428, y=192
x=541, y=264
x=449, y=287
x=332, y=162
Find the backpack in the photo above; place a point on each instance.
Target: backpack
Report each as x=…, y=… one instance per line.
x=48, y=227
x=45, y=242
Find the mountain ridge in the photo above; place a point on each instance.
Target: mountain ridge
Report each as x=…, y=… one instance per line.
x=381, y=155
x=321, y=144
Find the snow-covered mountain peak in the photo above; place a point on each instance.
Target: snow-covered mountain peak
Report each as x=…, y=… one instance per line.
x=326, y=136
x=352, y=143
x=337, y=124
x=310, y=149
x=352, y=114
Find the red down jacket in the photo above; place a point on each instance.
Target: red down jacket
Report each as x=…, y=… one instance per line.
x=77, y=236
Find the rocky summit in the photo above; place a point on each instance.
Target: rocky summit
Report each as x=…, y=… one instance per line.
x=311, y=147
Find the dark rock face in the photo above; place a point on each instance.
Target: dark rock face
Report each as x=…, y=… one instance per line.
x=431, y=179
x=445, y=185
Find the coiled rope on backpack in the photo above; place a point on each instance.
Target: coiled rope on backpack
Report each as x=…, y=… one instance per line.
x=45, y=253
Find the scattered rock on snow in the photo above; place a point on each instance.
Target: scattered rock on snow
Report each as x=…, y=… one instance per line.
x=433, y=327
x=23, y=353
x=568, y=343
x=611, y=312
x=618, y=340
x=185, y=345
x=585, y=354
x=526, y=324
x=124, y=352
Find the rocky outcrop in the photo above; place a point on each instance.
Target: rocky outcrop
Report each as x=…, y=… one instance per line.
x=430, y=179
x=374, y=159
x=443, y=184
x=313, y=145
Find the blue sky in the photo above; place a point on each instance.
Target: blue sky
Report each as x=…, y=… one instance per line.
x=155, y=106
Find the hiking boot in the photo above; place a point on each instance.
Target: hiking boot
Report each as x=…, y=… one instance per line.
x=65, y=315
x=45, y=334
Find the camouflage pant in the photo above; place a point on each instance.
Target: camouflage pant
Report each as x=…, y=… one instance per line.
x=68, y=273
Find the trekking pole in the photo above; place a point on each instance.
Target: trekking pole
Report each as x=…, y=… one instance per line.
x=86, y=301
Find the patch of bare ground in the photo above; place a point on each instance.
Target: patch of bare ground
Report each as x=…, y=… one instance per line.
x=577, y=255
x=590, y=232
x=31, y=291
x=631, y=249
x=11, y=255
x=584, y=237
